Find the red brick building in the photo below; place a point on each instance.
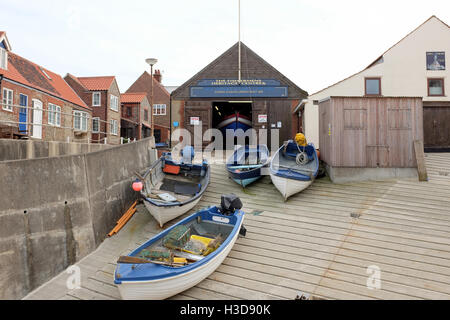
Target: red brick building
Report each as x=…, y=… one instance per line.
x=161, y=103
x=37, y=103
x=102, y=94
x=135, y=122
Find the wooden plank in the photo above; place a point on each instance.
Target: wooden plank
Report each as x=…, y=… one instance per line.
x=421, y=168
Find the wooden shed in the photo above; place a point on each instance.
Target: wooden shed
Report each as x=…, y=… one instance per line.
x=370, y=133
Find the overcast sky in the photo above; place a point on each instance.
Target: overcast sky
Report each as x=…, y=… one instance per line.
x=314, y=43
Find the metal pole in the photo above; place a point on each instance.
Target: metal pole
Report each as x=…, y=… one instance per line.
x=239, y=42
x=151, y=102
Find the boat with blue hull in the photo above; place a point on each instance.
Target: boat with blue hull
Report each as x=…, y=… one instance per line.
x=235, y=122
x=171, y=188
x=245, y=165
x=167, y=264
x=293, y=168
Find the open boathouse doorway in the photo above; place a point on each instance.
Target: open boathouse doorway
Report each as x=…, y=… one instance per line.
x=232, y=115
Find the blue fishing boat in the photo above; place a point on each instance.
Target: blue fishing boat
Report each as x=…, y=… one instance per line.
x=179, y=257
x=246, y=163
x=293, y=168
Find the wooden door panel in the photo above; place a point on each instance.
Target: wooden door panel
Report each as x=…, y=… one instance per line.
x=436, y=127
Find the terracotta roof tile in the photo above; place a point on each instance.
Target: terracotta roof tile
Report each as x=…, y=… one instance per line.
x=30, y=74
x=97, y=83
x=135, y=97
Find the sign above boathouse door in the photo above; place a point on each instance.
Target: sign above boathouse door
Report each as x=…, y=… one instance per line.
x=232, y=88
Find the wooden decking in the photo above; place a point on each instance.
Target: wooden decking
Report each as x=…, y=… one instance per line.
x=320, y=242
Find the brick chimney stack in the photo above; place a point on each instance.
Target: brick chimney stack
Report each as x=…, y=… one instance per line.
x=157, y=75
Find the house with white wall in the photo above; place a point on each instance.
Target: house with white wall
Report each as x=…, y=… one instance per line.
x=415, y=66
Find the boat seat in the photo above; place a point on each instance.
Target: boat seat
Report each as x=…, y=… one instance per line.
x=292, y=151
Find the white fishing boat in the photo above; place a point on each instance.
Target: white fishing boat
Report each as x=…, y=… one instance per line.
x=293, y=168
x=172, y=188
x=169, y=263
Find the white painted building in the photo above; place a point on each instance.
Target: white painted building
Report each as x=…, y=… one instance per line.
x=416, y=67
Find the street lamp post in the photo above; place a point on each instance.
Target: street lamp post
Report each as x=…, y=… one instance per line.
x=151, y=62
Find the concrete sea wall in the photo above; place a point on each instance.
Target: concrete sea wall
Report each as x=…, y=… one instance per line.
x=11, y=149
x=54, y=211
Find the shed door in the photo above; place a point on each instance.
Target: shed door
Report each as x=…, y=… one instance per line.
x=377, y=148
x=436, y=127
x=37, y=119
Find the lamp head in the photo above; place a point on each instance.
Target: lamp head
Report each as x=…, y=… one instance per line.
x=151, y=61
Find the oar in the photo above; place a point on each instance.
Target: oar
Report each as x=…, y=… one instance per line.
x=246, y=166
x=296, y=169
x=136, y=260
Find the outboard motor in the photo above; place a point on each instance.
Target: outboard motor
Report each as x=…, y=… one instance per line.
x=229, y=203
x=187, y=154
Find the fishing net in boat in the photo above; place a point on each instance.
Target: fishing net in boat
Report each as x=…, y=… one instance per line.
x=177, y=237
x=181, y=239
x=157, y=255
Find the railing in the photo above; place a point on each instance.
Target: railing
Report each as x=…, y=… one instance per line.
x=59, y=118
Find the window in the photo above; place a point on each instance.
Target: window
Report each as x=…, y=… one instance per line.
x=54, y=115
x=129, y=112
x=7, y=99
x=436, y=87
x=95, y=125
x=159, y=109
x=114, y=103
x=373, y=86
x=145, y=115
x=80, y=120
x=96, y=99
x=3, y=59
x=114, y=128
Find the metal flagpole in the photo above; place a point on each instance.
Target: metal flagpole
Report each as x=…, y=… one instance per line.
x=239, y=42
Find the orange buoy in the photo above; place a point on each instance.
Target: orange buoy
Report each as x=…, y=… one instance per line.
x=137, y=186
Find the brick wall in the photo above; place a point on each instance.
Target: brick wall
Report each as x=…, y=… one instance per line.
x=49, y=133
x=103, y=111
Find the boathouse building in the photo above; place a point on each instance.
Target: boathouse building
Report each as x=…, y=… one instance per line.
x=264, y=98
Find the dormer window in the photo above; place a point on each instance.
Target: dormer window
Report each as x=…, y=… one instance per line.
x=3, y=58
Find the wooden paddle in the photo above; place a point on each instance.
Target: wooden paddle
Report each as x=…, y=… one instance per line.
x=136, y=260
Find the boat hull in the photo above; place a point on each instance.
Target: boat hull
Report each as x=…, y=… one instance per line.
x=246, y=182
x=166, y=287
x=289, y=187
x=244, y=174
x=167, y=213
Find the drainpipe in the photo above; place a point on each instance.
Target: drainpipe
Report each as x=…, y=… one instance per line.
x=170, y=122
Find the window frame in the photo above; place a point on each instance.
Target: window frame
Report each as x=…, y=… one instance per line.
x=3, y=59
x=98, y=124
x=54, y=111
x=99, y=99
x=379, y=86
x=6, y=104
x=443, y=87
x=156, y=108
x=116, y=102
x=83, y=118
x=113, y=127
